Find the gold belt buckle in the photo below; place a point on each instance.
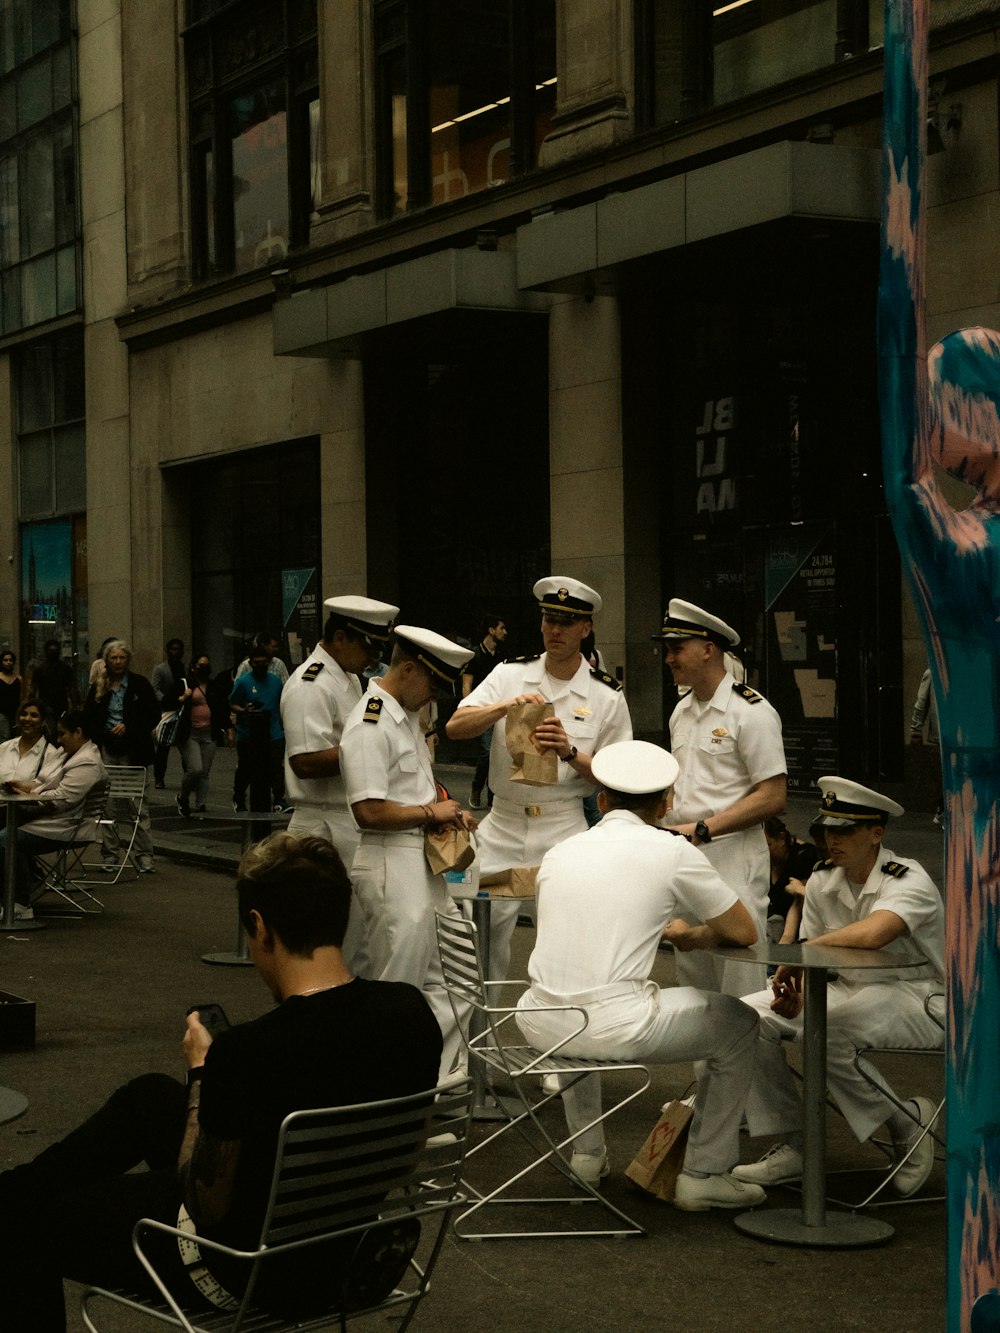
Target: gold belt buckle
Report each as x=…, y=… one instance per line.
x=532, y=811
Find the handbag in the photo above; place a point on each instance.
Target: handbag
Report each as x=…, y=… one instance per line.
x=658, y=1162
x=165, y=731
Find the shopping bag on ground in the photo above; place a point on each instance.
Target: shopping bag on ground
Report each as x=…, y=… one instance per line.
x=658, y=1162
x=539, y=768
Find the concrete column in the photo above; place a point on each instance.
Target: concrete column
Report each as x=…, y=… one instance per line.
x=594, y=106
x=10, y=592
x=585, y=458
x=346, y=120
x=102, y=202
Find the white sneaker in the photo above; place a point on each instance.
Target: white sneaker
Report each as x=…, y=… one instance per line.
x=697, y=1196
x=22, y=913
x=779, y=1164
x=591, y=1167
x=909, y=1178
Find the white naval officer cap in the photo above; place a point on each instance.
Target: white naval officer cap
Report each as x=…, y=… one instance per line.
x=684, y=620
x=847, y=804
x=442, y=658
x=559, y=595
x=371, y=619
x=636, y=767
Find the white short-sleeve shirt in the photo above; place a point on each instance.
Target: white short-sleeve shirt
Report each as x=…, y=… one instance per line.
x=724, y=748
x=42, y=762
x=604, y=897
x=593, y=713
x=895, y=884
x=314, y=706
x=383, y=755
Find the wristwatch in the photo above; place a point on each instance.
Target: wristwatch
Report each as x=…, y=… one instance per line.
x=702, y=831
x=568, y=758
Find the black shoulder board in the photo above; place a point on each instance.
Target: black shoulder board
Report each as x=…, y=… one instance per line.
x=894, y=869
x=605, y=679
x=528, y=657
x=373, y=709
x=823, y=865
x=312, y=670
x=745, y=692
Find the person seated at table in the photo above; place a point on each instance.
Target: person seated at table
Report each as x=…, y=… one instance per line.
x=792, y=862
x=30, y=755
x=58, y=818
x=605, y=898
x=862, y=896
x=209, y=1142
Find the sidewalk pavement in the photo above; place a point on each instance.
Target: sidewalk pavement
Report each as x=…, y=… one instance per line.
x=111, y=992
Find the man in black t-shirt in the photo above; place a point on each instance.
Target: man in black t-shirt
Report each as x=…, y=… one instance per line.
x=331, y=1040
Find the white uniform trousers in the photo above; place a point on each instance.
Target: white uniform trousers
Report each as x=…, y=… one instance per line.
x=742, y=861
x=514, y=835
x=341, y=830
x=656, y=1026
x=400, y=896
x=858, y=1015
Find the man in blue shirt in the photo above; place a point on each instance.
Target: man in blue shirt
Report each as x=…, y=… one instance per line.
x=260, y=741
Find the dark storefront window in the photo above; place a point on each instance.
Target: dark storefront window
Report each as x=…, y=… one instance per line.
x=52, y=497
x=254, y=113
x=255, y=551
x=750, y=396
x=465, y=95
x=39, y=228
x=695, y=54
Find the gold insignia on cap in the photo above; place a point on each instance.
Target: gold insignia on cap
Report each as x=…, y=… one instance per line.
x=720, y=731
x=562, y=594
x=829, y=798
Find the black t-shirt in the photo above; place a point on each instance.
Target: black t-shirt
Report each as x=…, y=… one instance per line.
x=802, y=860
x=481, y=665
x=359, y=1042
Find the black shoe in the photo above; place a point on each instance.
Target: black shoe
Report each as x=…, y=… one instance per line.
x=182, y=807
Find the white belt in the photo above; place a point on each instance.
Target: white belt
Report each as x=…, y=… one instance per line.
x=194, y=1264
x=613, y=991
x=405, y=838
x=506, y=807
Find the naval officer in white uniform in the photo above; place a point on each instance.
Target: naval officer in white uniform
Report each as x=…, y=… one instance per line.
x=590, y=712
x=605, y=899
x=394, y=798
x=314, y=706
x=727, y=740
x=864, y=897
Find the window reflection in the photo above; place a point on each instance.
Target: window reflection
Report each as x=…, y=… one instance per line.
x=260, y=176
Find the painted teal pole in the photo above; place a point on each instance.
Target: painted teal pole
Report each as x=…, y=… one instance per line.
x=945, y=409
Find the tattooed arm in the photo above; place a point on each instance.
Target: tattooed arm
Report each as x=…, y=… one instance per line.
x=206, y=1165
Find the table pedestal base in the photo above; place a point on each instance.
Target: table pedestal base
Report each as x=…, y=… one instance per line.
x=839, y=1231
x=23, y=925
x=228, y=959
x=12, y=1104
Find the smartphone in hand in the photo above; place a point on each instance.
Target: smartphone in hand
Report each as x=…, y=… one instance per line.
x=211, y=1016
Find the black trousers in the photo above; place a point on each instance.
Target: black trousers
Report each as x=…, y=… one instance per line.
x=71, y=1211
x=260, y=766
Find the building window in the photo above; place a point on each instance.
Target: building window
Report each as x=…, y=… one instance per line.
x=695, y=54
x=51, y=436
x=465, y=91
x=253, y=95
x=39, y=225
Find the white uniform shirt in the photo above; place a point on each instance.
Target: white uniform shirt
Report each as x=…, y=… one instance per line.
x=724, y=748
x=594, y=715
x=383, y=755
x=894, y=885
x=314, y=706
x=40, y=763
x=604, y=897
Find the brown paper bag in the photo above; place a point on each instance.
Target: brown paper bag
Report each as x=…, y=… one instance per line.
x=449, y=849
x=518, y=882
x=530, y=765
x=658, y=1162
